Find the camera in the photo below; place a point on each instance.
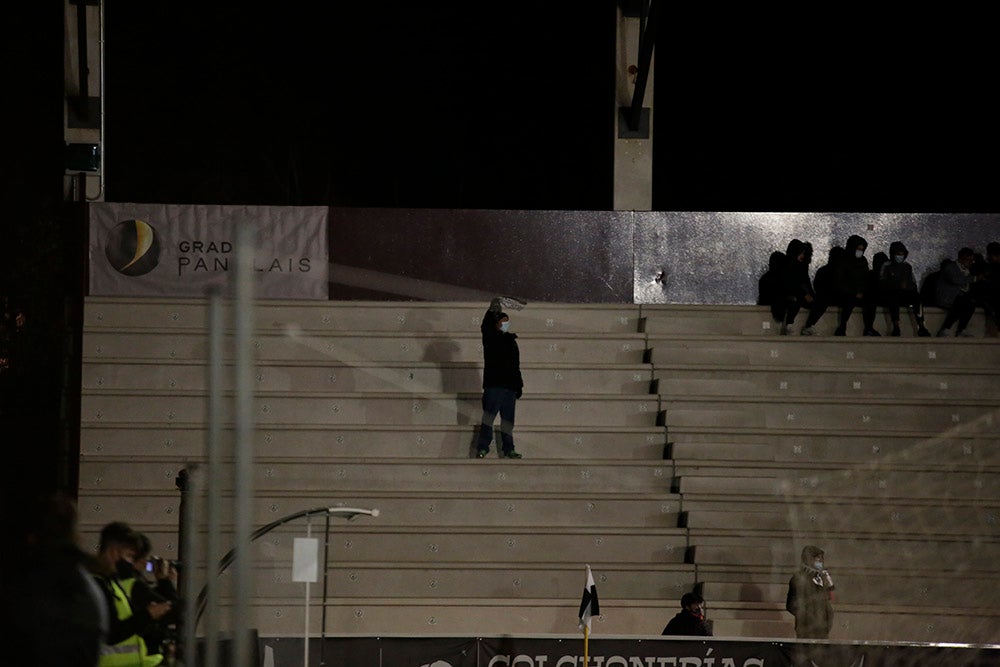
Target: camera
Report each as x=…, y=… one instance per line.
x=153, y=560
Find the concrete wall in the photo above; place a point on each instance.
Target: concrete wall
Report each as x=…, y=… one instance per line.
x=609, y=257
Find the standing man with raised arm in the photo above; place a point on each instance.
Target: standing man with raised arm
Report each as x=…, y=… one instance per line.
x=502, y=383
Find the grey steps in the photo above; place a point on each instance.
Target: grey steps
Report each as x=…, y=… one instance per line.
x=744, y=320
x=463, y=582
x=882, y=416
x=834, y=384
x=187, y=443
x=557, y=347
x=347, y=316
x=862, y=354
x=830, y=520
x=279, y=409
x=962, y=592
x=862, y=484
x=959, y=554
x=417, y=377
x=271, y=476
x=803, y=450
x=97, y=507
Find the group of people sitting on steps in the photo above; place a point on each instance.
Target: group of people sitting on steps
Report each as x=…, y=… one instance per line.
x=959, y=287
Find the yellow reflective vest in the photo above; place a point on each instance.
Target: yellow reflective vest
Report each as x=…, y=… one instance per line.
x=130, y=652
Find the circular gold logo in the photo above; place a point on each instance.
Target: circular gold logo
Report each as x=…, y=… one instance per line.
x=133, y=248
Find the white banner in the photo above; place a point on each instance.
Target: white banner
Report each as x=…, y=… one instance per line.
x=183, y=250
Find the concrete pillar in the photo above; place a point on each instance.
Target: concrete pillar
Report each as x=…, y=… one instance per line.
x=633, y=174
x=83, y=108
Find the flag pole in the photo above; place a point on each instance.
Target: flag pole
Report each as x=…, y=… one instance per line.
x=586, y=646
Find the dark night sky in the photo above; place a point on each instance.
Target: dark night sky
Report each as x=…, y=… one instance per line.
x=509, y=105
x=474, y=105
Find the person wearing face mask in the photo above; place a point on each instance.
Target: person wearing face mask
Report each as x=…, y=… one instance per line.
x=690, y=620
x=154, y=580
x=810, y=596
x=851, y=278
x=502, y=383
x=124, y=644
x=951, y=292
x=898, y=287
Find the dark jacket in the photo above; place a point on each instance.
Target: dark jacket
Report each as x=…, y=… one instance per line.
x=795, y=281
x=809, y=602
x=501, y=357
x=824, y=282
x=851, y=274
x=686, y=623
x=897, y=276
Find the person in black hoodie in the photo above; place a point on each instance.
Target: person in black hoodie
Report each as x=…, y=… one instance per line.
x=502, y=383
x=797, y=289
x=690, y=620
x=769, y=285
x=851, y=279
x=898, y=287
x=810, y=596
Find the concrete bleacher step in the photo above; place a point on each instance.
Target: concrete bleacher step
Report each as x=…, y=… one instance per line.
x=829, y=519
x=187, y=443
x=468, y=544
x=921, y=553
x=863, y=354
x=461, y=617
x=278, y=408
x=743, y=320
x=842, y=483
x=136, y=346
x=832, y=383
x=365, y=377
x=949, y=450
x=634, y=618
x=804, y=413
x=514, y=510
x=464, y=581
x=429, y=475
x=868, y=623
x=345, y=316
x=962, y=592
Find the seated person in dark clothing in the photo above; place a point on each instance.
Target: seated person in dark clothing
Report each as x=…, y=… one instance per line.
x=951, y=293
x=690, y=620
x=850, y=282
x=797, y=290
x=986, y=288
x=898, y=287
x=769, y=284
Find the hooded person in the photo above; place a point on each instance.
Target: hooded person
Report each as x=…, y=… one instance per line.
x=797, y=288
x=851, y=280
x=690, y=620
x=898, y=287
x=810, y=596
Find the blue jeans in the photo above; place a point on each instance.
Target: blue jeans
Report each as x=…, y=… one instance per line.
x=497, y=399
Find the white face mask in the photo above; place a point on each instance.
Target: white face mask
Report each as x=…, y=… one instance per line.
x=859, y=253
x=504, y=326
x=818, y=564
x=899, y=259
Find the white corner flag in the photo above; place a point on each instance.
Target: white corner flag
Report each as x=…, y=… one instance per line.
x=589, y=606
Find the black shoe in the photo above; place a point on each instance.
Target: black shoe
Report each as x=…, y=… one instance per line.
x=923, y=332
x=510, y=455
x=871, y=332
x=481, y=454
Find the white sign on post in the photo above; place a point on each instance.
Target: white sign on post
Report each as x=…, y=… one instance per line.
x=305, y=560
